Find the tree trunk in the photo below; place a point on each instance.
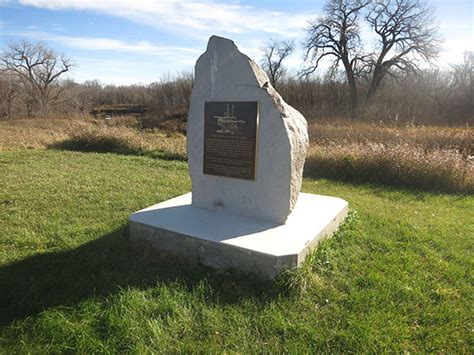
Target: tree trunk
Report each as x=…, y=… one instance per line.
x=374, y=84
x=9, y=109
x=44, y=102
x=352, y=88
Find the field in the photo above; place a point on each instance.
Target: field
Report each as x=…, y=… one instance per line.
x=397, y=277
x=431, y=158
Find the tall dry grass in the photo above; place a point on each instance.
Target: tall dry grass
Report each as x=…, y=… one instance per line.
x=432, y=158
x=85, y=133
x=37, y=133
x=346, y=133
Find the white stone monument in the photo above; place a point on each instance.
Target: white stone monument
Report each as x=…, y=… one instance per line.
x=246, y=151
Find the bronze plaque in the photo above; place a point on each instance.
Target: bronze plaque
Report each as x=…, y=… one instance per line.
x=230, y=138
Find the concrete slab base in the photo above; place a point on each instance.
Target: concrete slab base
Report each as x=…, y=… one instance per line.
x=223, y=240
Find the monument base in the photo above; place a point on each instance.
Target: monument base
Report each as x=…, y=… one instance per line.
x=223, y=240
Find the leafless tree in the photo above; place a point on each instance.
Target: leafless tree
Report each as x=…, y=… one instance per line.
x=462, y=86
x=335, y=36
x=406, y=32
x=463, y=73
x=10, y=90
x=274, y=53
x=39, y=68
x=89, y=95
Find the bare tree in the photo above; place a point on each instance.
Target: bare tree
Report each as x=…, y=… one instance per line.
x=39, y=68
x=274, y=53
x=89, y=94
x=406, y=32
x=336, y=36
x=10, y=90
x=462, y=86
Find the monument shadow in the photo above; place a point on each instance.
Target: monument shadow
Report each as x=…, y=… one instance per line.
x=106, y=265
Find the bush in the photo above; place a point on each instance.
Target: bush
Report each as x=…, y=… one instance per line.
x=123, y=140
x=97, y=141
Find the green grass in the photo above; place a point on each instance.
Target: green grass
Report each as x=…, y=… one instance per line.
x=396, y=277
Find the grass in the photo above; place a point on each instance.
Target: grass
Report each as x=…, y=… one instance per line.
x=437, y=158
x=430, y=138
x=396, y=278
x=87, y=134
x=431, y=158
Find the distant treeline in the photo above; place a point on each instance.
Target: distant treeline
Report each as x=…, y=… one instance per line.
x=433, y=96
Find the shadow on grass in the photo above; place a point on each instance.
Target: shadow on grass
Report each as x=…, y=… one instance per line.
x=103, y=267
x=386, y=175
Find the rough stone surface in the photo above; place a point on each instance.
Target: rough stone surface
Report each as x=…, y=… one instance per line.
x=223, y=73
x=226, y=240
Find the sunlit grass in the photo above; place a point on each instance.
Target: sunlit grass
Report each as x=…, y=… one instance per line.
x=397, y=277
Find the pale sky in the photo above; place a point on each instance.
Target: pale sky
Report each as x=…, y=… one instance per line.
x=141, y=41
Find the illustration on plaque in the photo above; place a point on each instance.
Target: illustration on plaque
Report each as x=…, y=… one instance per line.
x=228, y=123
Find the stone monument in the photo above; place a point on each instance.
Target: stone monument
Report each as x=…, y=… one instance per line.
x=246, y=151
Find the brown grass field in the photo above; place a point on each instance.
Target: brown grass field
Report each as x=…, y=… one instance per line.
x=437, y=158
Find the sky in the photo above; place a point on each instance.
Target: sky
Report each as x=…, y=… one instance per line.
x=142, y=41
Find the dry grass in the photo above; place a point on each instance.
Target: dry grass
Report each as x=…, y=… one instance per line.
x=36, y=133
x=432, y=158
x=425, y=137
x=86, y=134
x=124, y=140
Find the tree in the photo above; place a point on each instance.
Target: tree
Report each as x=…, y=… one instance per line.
x=89, y=95
x=336, y=36
x=462, y=86
x=39, y=69
x=9, y=91
x=406, y=32
x=274, y=53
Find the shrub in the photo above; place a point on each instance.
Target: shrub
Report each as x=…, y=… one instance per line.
x=123, y=140
x=101, y=142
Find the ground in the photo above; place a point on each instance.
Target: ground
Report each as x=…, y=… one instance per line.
x=396, y=277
